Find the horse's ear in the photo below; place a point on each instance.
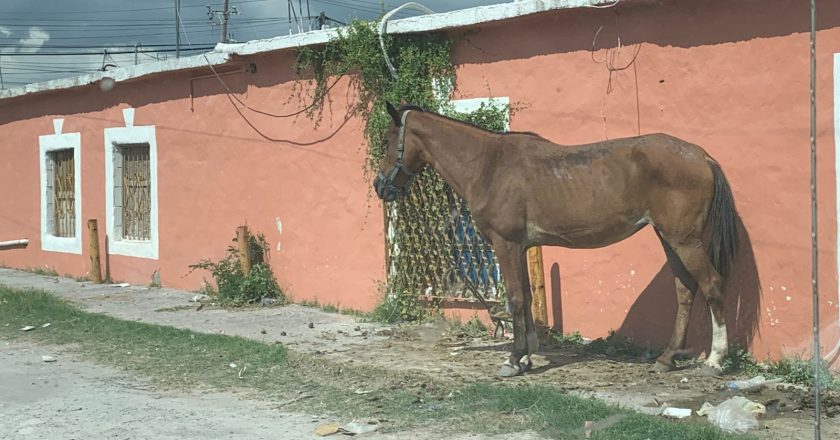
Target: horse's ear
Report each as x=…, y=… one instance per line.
x=395, y=115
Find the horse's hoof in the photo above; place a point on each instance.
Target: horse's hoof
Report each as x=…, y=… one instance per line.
x=508, y=370
x=525, y=363
x=659, y=367
x=708, y=371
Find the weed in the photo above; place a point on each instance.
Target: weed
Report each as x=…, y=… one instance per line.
x=616, y=345
x=740, y=360
x=233, y=287
x=574, y=339
x=801, y=371
x=45, y=271
x=473, y=328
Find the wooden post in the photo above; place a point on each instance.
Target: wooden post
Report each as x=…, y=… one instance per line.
x=538, y=306
x=93, y=237
x=243, y=238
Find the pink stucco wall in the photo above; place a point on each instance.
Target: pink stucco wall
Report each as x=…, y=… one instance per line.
x=214, y=174
x=731, y=77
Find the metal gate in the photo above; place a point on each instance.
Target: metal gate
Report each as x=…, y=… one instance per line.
x=434, y=246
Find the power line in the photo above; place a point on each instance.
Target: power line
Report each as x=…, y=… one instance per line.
x=25, y=54
x=116, y=11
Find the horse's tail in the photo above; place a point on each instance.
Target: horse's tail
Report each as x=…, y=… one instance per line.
x=724, y=223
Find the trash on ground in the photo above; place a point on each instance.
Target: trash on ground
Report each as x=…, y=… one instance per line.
x=120, y=285
x=47, y=358
x=46, y=325
x=327, y=429
x=751, y=384
x=737, y=414
x=27, y=328
x=198, y=298
x=676, y=413
x=361, y=426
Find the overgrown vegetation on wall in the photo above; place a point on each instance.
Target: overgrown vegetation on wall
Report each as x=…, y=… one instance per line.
x=426, y=77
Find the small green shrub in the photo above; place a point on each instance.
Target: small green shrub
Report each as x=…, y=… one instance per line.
x=233, y=287
x=574, y=339
x=615, y=345
x=740, y=360
x=801, y=371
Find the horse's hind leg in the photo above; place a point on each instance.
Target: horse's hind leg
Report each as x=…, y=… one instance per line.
x=686, y=289
x=709, y=282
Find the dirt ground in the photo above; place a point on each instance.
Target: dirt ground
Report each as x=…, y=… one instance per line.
x=428, y=349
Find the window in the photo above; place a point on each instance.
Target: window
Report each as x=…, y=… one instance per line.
x=61, y=217
x=61, y=193
x=133, y=198
x=131, y=205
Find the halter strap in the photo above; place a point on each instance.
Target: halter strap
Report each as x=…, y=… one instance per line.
x=401, y=138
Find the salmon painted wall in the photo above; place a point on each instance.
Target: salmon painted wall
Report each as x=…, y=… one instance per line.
x=214, y=174
x=731, y=77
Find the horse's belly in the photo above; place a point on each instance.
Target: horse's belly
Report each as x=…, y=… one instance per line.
x=583, y=237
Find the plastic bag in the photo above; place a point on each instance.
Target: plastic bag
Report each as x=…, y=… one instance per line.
x=737, y=415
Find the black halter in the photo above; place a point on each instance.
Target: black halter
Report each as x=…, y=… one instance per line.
x=384, y=184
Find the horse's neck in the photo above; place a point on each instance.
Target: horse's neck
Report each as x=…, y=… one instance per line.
x=457, y=152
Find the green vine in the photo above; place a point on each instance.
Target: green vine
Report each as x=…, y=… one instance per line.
x=426, y=77
x=420, y=59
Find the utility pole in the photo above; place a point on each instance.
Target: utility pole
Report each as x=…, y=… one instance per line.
x=224, y=23
x=177, y=29
x=224, y=16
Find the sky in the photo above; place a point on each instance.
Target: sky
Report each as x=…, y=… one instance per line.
x=48, y=39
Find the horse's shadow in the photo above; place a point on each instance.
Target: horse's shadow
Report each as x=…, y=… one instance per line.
x=650, y=320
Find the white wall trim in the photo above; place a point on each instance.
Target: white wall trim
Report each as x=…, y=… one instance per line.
x=130, y=135
x=53, y=142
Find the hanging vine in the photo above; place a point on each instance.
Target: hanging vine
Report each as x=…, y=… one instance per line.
x=419, y=231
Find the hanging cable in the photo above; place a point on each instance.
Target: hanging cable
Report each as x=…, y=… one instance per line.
x=383, y=24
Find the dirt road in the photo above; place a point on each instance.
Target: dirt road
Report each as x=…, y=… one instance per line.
x=341, y=338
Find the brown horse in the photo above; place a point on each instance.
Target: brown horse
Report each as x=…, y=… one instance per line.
x=524, y=190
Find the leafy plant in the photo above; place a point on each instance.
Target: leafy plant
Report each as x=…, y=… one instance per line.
x=801, y=371
x=740, y=360
x=233, y=287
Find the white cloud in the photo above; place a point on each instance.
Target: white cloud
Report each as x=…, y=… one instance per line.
x=37, y=37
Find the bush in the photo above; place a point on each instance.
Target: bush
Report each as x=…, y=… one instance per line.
x=233, y=287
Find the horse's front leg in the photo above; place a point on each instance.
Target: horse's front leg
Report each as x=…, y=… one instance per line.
x=512, y=261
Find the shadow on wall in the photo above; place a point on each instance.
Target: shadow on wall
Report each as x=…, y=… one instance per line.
x=650, y=320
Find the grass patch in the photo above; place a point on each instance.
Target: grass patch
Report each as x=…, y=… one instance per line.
x=186, y=359
x=332, y=308
x=792, y=369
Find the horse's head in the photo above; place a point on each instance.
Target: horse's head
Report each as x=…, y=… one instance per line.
x=402, y=160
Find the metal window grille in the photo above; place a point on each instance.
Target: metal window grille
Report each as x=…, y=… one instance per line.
x=62, y=193
x=136, y=192
x=434, y=246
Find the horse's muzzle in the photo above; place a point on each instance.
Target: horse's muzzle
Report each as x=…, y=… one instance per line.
x=385, y=188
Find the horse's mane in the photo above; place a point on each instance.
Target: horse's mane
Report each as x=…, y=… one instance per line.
x=405, y=107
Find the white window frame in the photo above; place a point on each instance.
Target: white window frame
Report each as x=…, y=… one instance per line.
x=49, y=143
x=114, y=137
x=472, y=104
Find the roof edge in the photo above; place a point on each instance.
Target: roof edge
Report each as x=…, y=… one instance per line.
x=222, y=53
